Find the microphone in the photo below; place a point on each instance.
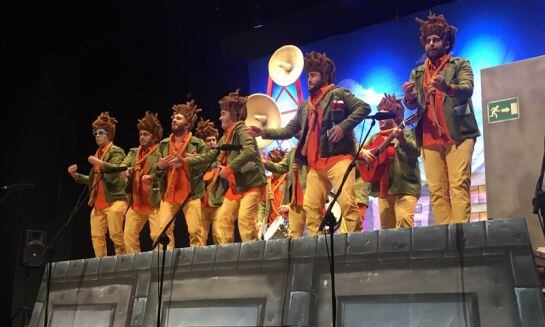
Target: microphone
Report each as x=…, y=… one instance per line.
x=228, y=147
x=382, y=115
x=22, y=186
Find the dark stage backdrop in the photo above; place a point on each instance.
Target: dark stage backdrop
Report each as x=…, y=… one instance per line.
x=62, y=65
x=378, y=59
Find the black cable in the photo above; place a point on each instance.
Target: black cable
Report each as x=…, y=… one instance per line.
x=540, y=218
x=541, y=221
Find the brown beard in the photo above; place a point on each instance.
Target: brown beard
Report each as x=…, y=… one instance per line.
x=180, y=131
x=316, y=88
x=439, y=53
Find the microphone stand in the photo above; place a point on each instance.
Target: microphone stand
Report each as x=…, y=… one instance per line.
x=6, y=195
x=330, y=221
x=163, y=238
x=50, y=249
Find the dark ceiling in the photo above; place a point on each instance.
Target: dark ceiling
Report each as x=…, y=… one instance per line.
x=164, y=48
x=45, y=25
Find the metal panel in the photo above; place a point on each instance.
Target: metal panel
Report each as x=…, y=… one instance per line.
x=514, y=149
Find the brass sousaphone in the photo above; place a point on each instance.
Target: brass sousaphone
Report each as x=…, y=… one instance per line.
x=286, y=65
x=262, y=112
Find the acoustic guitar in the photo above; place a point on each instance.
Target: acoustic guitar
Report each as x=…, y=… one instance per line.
x=381, y=149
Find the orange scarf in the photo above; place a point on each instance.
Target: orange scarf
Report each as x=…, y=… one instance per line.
x=98, y=191
x=222, y=158
x=312, y=106
x=174, y=194
x=275, y=197
x=228, y=139
x=434, y=98
x=140, y=169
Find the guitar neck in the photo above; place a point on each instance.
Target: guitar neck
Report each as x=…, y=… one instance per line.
x=384, y=144
x=387, y=141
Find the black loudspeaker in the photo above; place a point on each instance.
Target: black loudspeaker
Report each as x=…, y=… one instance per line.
x=33, y=247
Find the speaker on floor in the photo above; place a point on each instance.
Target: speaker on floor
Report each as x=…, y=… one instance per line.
x=33, y=247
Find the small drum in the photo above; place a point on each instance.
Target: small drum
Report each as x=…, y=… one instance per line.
x=277, y=229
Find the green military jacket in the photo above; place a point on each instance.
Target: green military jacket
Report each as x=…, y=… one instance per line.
x=196, y=146
x=457, y=109
x=348, y=112
x=404, y=170
x=286, y=166
x=151, y=160
x=112, y=182
x=246, y=165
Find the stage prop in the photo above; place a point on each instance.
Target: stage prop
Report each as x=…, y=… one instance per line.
x=475, y=274
x=514, y=128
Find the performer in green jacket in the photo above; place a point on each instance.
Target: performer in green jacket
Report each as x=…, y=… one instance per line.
x=399, y=187
x=327, y=145
x=108, y=198
x=275, y=203
x=206, y=131
x=441, y=88
x=176, y=179
x=241, y=179
x=296, y=181
x=143, y=187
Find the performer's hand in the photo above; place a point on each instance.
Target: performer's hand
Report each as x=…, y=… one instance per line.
x=165, y=162
x=438, y=81
x=223, y=172
x=367, y=155
x=408, y=89
x=254, y=131
x=176, y=162
x=398, y=133
x=73, y=170
x=336, y=134
x=127, y=173
x=95, y=161
x=147, y=179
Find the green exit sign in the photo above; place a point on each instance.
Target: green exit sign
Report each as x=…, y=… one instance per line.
x=502, y=110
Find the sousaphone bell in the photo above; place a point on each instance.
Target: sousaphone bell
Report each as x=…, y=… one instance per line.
x=286, y=65
x=262, y=112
